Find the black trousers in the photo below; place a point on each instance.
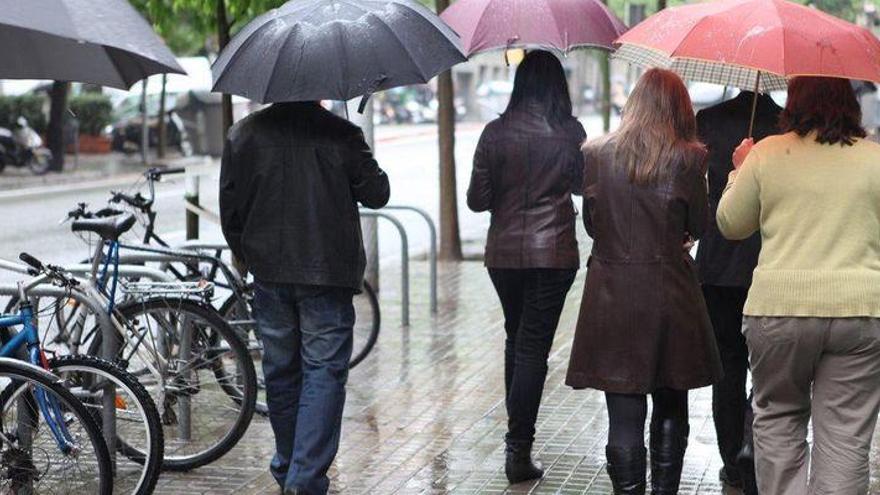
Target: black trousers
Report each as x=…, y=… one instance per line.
x=731, y=408
x=532, y=300
x=627, y=414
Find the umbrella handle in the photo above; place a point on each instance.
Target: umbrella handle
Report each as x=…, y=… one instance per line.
x=510, y=43
x=369, y=92
x=755, y=103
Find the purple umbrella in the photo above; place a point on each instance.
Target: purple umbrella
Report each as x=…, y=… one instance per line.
x=560, y=25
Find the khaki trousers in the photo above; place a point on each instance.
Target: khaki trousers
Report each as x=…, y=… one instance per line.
x=838, y=360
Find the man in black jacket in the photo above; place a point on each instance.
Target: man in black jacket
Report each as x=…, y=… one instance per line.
x=290, y=183
x=726, y=273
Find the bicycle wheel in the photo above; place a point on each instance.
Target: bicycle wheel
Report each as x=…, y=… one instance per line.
x=239, y=314
x=36, y=412
x=175, y=349
x=138, y=428
x=368, y=321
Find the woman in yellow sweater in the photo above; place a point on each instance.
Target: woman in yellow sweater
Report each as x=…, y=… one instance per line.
x=813, y=312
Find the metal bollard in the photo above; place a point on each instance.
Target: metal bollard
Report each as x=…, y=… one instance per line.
x=191, y=196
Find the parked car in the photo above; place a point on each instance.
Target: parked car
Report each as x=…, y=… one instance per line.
x=127, y=129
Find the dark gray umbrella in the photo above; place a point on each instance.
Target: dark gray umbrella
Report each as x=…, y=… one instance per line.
x=311, y=50
x=104, y=42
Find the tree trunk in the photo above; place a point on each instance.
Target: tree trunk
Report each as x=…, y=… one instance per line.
x=162, y=128
x=450, y=238
x=605, y=67
x=661, y=4
x=57, y=118
x=223, y=36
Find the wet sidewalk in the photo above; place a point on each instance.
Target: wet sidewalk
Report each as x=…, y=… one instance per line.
x=425, y=413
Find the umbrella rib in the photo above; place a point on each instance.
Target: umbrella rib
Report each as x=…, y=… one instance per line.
x=402, y=45
x=471, y=49
x=122, y=78
x=265, y=93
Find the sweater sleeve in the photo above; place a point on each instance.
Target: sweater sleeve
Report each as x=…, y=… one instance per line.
x=739, y=211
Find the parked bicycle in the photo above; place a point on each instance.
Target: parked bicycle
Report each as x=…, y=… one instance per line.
x=199, y=261
x=49, y=441
x=113, y=397
x=199, y=373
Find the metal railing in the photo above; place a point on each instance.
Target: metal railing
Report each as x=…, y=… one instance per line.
x=196, y=211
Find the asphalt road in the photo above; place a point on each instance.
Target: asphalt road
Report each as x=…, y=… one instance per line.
x=31, y=223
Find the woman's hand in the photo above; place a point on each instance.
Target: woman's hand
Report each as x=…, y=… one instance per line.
x=689, y=243
x=742, y=151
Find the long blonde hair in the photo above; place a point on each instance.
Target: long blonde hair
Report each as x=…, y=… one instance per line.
x=657, y=127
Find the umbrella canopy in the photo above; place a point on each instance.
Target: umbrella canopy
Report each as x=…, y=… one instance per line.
x=731, y=42
x=560, y=25
x=335, y=50
x=106, y=43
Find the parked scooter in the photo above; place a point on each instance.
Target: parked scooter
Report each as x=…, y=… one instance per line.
x=23, y=147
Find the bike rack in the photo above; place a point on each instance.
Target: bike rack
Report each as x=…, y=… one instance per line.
x=109, y=345
x=404, y=261
x=432, y=228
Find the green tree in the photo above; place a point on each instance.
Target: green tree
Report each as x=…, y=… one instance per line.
x=450, y=237
x=216, y=20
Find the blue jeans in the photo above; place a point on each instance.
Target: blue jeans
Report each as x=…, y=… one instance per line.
x=307, y=342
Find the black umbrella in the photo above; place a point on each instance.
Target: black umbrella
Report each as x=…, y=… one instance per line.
x=310, y=50
x=104, y=42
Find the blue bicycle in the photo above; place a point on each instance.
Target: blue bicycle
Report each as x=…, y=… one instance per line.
x=49, y=442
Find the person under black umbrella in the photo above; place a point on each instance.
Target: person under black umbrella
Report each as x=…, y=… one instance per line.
x=725, y=269
x=292, y=177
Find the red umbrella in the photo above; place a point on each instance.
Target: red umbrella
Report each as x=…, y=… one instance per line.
x=752, y=43
x=551, y=24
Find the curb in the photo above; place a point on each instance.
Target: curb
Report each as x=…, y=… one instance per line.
x=77, y=186
x=197, y=164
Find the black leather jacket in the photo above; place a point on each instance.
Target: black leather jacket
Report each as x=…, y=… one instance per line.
x=525, y=171
x=291, y=179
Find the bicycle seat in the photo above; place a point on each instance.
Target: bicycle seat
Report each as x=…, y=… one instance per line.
x=109, y=228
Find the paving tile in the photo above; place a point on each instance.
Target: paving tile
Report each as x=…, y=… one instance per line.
x=425, y=413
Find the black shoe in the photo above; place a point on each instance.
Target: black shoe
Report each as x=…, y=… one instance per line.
x=730, y=477
x=745, y=462
x=668, y=444
x=626, y=468
x=518, y=465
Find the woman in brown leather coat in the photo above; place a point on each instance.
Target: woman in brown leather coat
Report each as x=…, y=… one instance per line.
x=527, y=165
x=643, y=326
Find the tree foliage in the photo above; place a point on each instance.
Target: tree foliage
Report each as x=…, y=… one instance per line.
x=186, y=21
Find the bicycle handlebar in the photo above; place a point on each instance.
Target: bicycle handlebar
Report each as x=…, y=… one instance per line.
x=31, y=261
x=55, y=273
x=156, y=173
x=136, y=201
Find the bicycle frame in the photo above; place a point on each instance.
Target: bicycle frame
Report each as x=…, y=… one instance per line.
x=29, y=337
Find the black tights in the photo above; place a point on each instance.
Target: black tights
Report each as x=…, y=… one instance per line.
x=627, y=414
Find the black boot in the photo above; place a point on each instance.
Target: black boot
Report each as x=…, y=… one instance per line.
x=668, y=443
x=626, y=468
x=518, y=465
x=745, y=461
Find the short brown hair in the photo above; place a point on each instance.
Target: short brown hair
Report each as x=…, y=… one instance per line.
x=826, y=105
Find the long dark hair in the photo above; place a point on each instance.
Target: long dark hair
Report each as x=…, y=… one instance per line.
x=540, y=79
x=657, y=128
x=827, y=105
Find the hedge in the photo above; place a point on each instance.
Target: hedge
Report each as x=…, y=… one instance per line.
x=28, y=105
x=94, y=112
